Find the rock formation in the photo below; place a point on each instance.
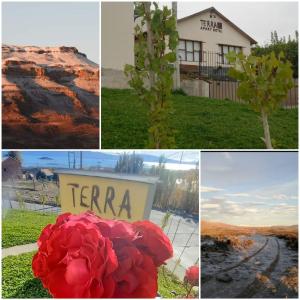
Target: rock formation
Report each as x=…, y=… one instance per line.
x=50, y=98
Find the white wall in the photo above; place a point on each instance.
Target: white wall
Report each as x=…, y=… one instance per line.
x=117, y=35
x=190, y=29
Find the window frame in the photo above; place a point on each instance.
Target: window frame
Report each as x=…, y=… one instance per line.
x=228, y=50
x=193, y=52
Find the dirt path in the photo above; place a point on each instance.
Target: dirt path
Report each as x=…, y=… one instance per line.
x=235, y=265
x=258, y=275
x=259, y=281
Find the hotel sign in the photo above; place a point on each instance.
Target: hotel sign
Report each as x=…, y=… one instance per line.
x=110, y=196
x=209, y=25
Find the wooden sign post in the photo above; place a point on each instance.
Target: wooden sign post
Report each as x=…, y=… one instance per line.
x=109, y=195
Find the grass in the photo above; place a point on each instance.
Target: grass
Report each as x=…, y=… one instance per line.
x=23, y=227
x=200, y=123
x=18, y=280
x=169, y=286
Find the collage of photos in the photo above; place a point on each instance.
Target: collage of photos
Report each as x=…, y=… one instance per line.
x=149, y=149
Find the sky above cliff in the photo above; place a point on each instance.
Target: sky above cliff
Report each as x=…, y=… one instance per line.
x=257, y=19
x=53, y=24
x=250, y=188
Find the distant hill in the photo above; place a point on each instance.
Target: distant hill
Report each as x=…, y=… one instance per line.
x=221, y=229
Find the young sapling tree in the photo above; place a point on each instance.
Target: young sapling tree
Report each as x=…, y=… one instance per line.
x=151, y=77
x=264, y=83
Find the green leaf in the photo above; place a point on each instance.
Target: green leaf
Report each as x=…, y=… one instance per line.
x=170, y=57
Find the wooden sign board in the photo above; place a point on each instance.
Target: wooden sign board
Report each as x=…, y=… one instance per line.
x=109, y=195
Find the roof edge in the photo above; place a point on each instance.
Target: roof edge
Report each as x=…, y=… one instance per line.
x=252, y=41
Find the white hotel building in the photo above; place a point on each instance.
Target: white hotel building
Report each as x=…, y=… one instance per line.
x=205, y=38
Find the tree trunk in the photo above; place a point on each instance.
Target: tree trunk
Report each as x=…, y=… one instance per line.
x=267, y=139
x=150, y=48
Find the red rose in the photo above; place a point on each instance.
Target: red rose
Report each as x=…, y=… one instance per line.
x=153, y=241
x=84, y=256
x=136, y=276
x=74, y=259
x=192, y=275
x=115, y=229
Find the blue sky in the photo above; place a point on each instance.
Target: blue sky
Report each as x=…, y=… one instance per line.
x=53, y=24
x=250, y=188
x=59, y=159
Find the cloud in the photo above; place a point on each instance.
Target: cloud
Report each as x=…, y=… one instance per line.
x=284, y=209
x=238, y=195
x=229, y=201
x=280, y=197
x=251, y=210
x=210, y=205
x=255, y=203
x=222, y=207
x=261, y=197
x=208, y=189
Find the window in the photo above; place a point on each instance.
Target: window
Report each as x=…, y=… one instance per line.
x=189, y=50
x=224, y=49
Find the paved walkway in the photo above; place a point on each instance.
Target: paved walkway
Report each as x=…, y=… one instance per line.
x=16, y=250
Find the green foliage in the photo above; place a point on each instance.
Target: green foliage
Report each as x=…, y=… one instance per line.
x=129, y=163
x=169, y=286
x=179, y=92
x=288, y=47
x=264, y=82
x=18, y=280
x=201, y=123
x=152, y=75
x=23, y=227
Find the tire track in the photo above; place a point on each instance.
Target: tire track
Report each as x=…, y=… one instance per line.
x=257, y=284
x=209, y=277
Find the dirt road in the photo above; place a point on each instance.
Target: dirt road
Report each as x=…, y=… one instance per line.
x=268, y=269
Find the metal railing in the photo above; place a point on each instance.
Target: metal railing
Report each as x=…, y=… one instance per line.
x=211, y=65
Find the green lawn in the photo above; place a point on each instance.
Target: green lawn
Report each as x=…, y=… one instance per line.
x=23, y=227
x=18, y=280
x=200, y=123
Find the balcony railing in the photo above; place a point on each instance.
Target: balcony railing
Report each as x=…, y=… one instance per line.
x=211, y=65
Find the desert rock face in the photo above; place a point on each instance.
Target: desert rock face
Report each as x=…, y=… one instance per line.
x=50, y=98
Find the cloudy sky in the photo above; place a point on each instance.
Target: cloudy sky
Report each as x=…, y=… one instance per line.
x=250, y=188
x=256, y=18
x=53, y=24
